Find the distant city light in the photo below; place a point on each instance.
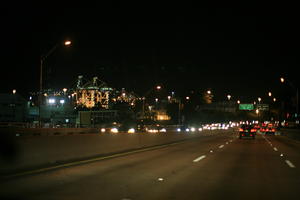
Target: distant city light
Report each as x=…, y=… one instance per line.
x=270, y=94
x=62, y=101
x=187, y=98
x=208, y=92
x=158, y=87
x=14, y=91
x=274, y=99
x=238, y=101
x=65, y=90
x=282, y=80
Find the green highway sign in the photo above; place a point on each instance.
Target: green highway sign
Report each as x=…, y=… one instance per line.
x=263, y=107
x=246, y=107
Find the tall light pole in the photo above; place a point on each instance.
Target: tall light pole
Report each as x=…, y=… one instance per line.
x=158, y=87
x=42, y=60
x=282, y=80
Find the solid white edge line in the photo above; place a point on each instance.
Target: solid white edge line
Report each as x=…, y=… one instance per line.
x=221, y=146
x=290, y=164
x=199, y=158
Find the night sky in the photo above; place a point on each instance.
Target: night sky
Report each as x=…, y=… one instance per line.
x=241, y=50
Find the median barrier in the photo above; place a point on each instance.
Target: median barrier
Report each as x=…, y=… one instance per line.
x=29, y=151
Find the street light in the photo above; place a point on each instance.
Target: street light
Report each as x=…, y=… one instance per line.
x=259, y=99
x=42, y=60
x=158, y=87
x=238, y=101
x=297, y=92
x=270, y=94
x=229, y=97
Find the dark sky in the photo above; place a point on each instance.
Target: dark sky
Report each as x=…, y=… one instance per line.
x=236, y=49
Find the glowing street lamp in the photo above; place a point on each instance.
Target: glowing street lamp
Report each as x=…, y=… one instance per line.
x=229, y=97
x=42, y=60
x=208, y=92
x=297, y=93
x=274, y=99
x=158, y=87
x=238, y=101
x=259, y=99
x=270, y=94
x=14, y=91
x=68, y=43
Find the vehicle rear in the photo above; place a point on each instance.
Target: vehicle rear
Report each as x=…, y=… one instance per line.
x=247, y=131
x=270, y=129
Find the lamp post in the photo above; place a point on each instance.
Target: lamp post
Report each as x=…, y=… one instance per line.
x=282, y=80
x=42, y=60
x=158, y=87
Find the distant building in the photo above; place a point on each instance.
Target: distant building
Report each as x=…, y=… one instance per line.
x=13, y=108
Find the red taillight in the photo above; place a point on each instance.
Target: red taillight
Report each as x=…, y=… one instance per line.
x=251, y=135
x=273, y=130
x=243, y=134
x=253, y=130
x=241, y=130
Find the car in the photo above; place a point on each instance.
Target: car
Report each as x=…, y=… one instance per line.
x=270, y=129
x=247, y=131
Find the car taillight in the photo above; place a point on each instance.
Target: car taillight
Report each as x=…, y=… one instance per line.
x=273, y=130
x=253, y=130
x=241, y=130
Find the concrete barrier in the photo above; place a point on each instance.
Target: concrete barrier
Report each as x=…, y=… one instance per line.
x=40, y=151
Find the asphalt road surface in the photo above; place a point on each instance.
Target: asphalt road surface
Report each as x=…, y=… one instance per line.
x=210, y=167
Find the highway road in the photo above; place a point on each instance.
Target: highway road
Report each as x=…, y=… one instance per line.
x=210, y=167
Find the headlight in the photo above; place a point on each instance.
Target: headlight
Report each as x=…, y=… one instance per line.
x=131, y=130
x=163, y=130
x=114, y=130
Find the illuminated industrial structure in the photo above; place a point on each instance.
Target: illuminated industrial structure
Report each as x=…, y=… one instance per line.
x=92, y=94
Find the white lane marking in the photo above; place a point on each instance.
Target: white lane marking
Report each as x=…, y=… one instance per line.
x=281, y=155
x=199, y=158
x=160, y=179
x=275, y=149
x=221, y=146
x=211, y=151
x=290, y=164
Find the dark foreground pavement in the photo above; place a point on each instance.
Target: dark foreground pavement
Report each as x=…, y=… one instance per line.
x=211, y=167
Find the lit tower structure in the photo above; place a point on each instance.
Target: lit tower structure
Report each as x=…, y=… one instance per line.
x=92, y=94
